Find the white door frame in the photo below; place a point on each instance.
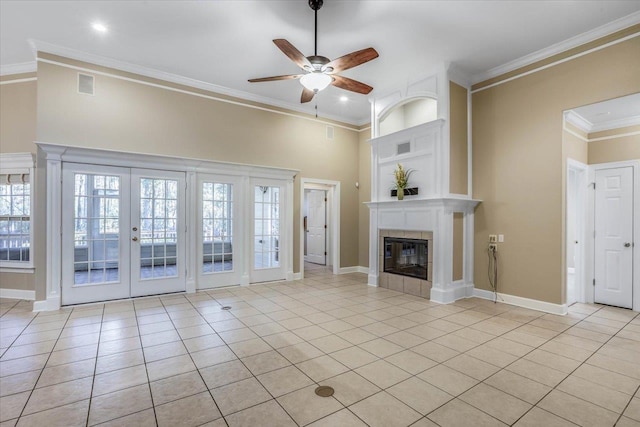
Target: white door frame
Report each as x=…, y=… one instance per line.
x=333, y=220
x=327, y=239
x=50, y=158
x=582, y=180
x=590, y=246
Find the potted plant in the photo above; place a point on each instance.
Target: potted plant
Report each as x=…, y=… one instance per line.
x=402, y=179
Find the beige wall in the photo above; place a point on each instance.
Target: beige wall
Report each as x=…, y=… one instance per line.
x=518, y=170
x=616, y=147
x=364, y=195
x=459, y=170
x=17, y=133
x=130, y=116
x=574, y=144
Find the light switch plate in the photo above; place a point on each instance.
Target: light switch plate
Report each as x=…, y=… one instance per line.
x=500, y=238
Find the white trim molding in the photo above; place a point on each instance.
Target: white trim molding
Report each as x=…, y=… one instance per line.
x=56, y=155
x=40, y=46
x=354, y=269
x=19, y=68
x=533, y=304
x=573, y=42
x=25, y=294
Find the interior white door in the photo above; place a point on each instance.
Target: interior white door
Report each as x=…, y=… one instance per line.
x=267, y=242
x=157, y=232
x=316, y=227
x=614, y=236
x=95, y=238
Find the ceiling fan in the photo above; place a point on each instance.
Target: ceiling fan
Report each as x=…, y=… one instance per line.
x=320, y=71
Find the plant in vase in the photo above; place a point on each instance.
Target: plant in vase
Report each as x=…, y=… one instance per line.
x=402, y=179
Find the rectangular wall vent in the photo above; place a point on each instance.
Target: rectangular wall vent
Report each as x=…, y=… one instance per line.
x=85, y=84
x=329, y=132
x=405, y=147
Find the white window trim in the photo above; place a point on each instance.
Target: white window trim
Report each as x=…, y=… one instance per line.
x=55, y=154
x=21, y=163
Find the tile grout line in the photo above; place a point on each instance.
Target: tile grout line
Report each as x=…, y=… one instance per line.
x=95, y=365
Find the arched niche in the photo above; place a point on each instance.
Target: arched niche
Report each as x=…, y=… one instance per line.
x=409, y=113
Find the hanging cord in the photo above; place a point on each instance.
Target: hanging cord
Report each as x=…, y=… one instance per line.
x=492, y=272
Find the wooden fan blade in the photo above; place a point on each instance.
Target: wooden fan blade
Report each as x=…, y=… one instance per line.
x=350, y=84
x=271, y=79
x=351, y=60
x=294, y=54
x=307, y=95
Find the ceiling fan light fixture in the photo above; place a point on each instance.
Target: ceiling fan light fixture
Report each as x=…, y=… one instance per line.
x=316, y=81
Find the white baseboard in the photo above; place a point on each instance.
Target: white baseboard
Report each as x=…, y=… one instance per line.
x=17, y=294
x=532, y=304
x=49, y=304
x=456, y=291
x=354, y=269
x=297, y=276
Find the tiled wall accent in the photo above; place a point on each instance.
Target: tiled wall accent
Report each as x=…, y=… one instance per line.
x=408, y=285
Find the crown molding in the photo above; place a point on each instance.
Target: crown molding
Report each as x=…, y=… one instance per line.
x=40, y=46
x=616, y=124
x=20, y=68
x=589, y=36
x=578, y=121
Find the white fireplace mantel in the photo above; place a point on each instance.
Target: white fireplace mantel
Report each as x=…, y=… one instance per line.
x=435, y=215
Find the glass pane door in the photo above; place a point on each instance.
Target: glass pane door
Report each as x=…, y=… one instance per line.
x=157, y=218
x=266, y=231
x=267, y=245
x=95, y=208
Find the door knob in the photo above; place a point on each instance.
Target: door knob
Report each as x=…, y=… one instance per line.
x=627, y=245
x=135, y=228
x=135, y=239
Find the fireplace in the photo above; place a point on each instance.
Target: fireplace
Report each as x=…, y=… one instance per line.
x=406, y=257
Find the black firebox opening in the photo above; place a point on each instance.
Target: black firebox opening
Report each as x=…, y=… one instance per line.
x=407, y=257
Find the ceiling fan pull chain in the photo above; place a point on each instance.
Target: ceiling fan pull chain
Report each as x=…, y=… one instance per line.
x=316, y=110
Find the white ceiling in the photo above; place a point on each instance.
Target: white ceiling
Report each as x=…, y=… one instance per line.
x=610, y=114
x=225, y=43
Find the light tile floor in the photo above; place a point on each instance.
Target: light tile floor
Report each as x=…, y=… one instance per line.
x=393, y=359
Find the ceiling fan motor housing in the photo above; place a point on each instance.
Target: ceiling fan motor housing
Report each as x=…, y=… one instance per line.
x=315, y=4
x=318, y=61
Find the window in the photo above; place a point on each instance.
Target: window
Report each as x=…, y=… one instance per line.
x=16, y=205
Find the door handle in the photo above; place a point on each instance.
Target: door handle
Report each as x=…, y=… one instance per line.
x=627, y=245
x=135, y=239
x=135, y=228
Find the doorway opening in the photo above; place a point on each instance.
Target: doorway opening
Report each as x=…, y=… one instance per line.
x=575, y=229
x=320, y=224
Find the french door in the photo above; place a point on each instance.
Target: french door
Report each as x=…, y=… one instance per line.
x=123, y=233
x=268, y=243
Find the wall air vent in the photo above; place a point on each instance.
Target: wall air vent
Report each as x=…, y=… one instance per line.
x=329, y=132
x=86, y=84
x=405, y=147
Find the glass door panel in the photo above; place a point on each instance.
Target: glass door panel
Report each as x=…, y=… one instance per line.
x=266, y=233
x=219, y=210
x=158, y=225
x=217, y=227
x=94, y=246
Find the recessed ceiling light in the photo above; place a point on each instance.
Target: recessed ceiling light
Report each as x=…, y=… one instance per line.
x=99, y=27
x=344, y=98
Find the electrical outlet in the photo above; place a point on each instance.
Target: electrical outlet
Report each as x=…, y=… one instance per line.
x=493, y=238
x=500, y=238
x=493, y=247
